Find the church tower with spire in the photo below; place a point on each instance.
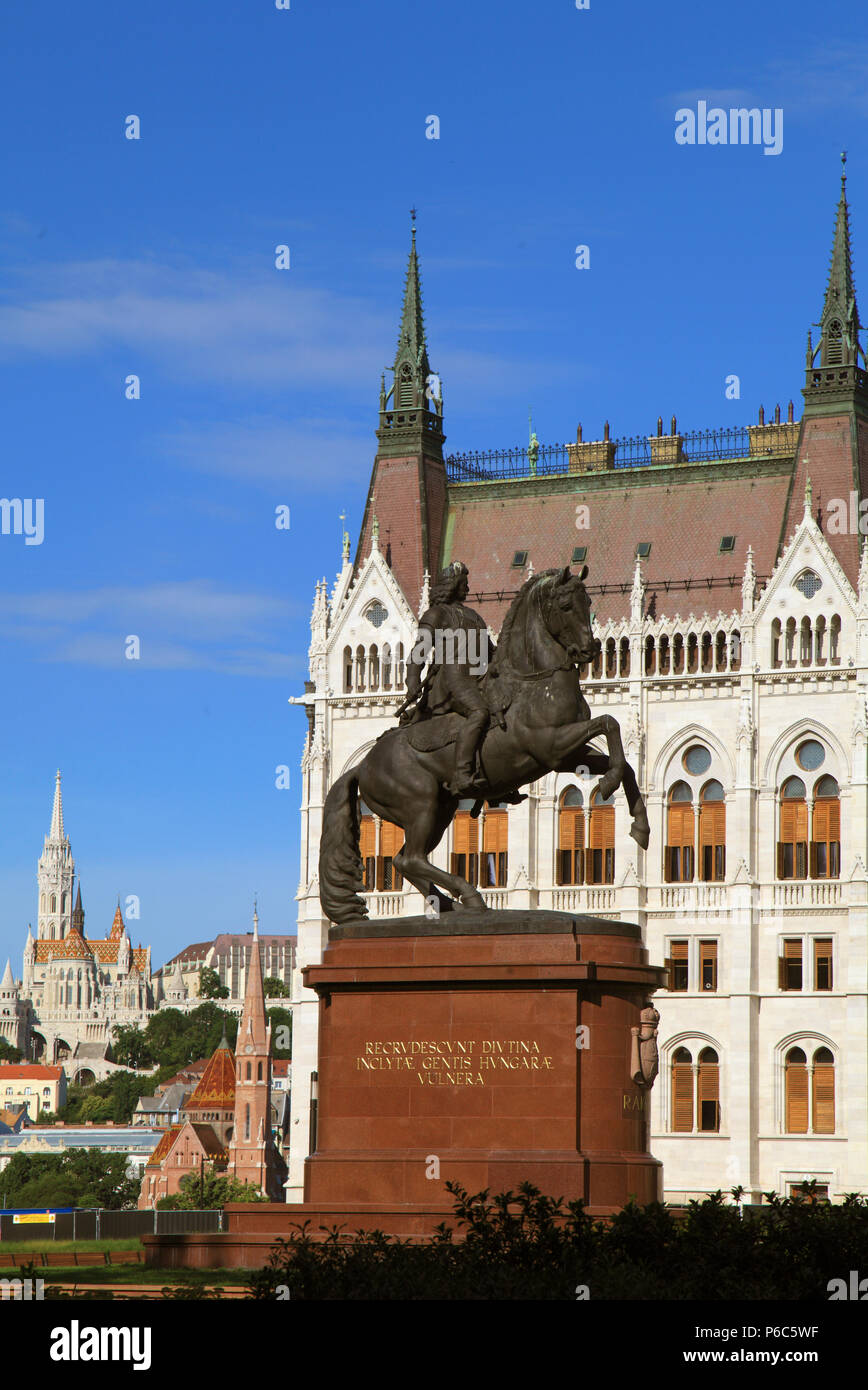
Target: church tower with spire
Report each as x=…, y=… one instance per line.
x=55, y=876
x=253, y=1157
x=406, y=501
x=833, y=442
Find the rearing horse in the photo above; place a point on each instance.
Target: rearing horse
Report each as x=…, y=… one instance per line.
x=534, y=679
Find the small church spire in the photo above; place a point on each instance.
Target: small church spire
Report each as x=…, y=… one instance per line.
x=839, y=322
x=809, y=496
x=412, y=406
x=57, y=831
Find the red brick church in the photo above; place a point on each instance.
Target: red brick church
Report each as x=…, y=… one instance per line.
x=227, y=1120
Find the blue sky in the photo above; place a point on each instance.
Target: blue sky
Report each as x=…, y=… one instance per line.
x=259, y=387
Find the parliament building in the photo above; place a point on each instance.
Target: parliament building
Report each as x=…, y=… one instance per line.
x=729, y=582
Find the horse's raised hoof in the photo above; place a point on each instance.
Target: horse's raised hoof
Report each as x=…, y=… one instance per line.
x=641, y=834
x=606, y=786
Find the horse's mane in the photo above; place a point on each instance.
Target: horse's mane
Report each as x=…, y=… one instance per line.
x=518, y=606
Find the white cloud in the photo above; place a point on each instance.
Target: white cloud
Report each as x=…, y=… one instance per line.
x=189, y=625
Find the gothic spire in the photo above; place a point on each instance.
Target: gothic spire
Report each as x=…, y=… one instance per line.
x=57, y=831
x=839, y=322
x=253, y=1021
x=412, y=331
x=411, y=411
x=78, y=910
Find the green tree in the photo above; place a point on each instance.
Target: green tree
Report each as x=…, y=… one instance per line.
x=281, y=1019
x=8, y=1053
x=130, y=1048
x=175, y=1038
x=210, y=986
x=275, y=988
x=209, y=1191
x=78, y=1178
x=115, y=1098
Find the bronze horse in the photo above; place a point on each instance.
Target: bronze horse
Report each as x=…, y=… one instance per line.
x=533, y=680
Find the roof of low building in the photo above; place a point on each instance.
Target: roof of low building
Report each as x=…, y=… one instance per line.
x=30, y=1071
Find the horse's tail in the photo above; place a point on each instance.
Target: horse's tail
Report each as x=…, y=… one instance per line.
x=340, y=861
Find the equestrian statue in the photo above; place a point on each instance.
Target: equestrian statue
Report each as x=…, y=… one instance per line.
x=480, y=722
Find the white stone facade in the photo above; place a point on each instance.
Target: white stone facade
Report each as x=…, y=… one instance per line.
x=754, y=696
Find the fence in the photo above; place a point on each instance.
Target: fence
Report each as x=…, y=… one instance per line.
x=91, y=1224
x=634, y=451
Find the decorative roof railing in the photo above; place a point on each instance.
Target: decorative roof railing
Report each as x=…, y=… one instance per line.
x=636, y=451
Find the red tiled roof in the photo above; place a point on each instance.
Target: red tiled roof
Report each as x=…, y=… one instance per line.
x=30, y=1071
x=683, y=513
x=75, y=947
x=192, y=1071
x=164, y=1147
x=216, y=1089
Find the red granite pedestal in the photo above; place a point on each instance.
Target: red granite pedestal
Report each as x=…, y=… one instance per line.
x=486, y=1049
x=459, y=1047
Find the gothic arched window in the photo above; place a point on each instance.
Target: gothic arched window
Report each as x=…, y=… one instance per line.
x=712, y=833
x=793, y=839
x=682, y=1091
x=571, y=837
x=680, y=835
x=495, y=846
x=826, y=830
x=465, y=843
x=600, y=862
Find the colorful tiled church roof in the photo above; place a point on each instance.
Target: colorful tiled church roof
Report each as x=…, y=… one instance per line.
x=216, y=1089
x=74, y=946
x=71, y=947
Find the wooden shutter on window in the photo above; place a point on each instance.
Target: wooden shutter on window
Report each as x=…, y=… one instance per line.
x=712, y=825
x=603, y=827
x=708, y=964
x=794, y=822
x=391, y=839
x=681, y=824
x=797, y=1098
x=571, y=844
x=465, y=834
x=824, y=1098
x=368, y=850
x=682, y=1097
x=822, y=963
x=709, y=1088
x=495, y=836
x=827, y=831
x=368, y=838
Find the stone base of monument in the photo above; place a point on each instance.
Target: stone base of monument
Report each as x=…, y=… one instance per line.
x=483, y=1048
